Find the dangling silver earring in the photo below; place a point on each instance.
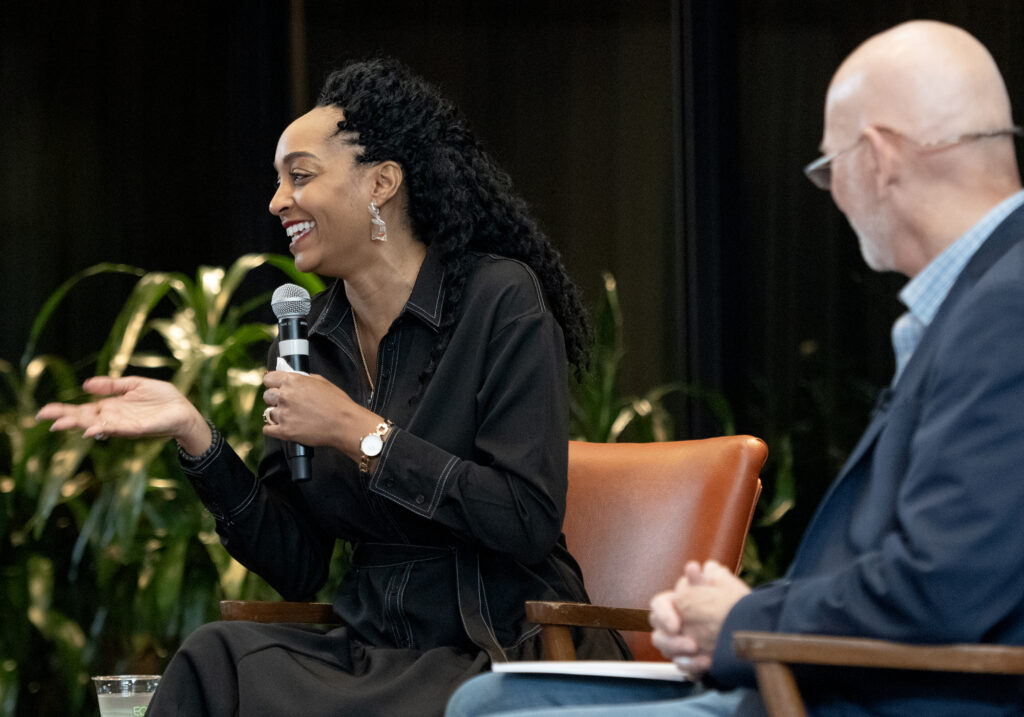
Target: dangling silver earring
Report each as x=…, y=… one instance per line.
x=380, y=229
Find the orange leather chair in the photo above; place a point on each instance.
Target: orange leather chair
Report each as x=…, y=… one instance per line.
x=772, y=653
x=636, y=513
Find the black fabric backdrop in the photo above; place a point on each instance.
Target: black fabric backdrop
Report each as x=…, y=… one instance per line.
x=659, y=140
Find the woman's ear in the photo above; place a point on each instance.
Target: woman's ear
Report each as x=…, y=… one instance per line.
x=387, y=178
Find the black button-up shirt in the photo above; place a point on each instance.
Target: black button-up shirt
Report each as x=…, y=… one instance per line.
x=460, y=520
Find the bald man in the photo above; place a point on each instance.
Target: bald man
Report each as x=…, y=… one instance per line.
x=918, y=539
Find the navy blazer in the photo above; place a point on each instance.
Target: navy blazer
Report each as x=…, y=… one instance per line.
x=919, y=538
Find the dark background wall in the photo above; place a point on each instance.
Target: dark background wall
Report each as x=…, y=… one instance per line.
x=659, y=139
x=574, y=100
x=140, y=133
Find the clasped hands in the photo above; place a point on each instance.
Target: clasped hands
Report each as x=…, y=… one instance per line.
x=688, y=619
x=307, y=409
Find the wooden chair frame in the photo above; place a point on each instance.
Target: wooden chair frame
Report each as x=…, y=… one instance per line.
x=312, y=613
x=773, y=653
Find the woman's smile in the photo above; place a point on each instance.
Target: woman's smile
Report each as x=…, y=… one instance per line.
x=297, y=231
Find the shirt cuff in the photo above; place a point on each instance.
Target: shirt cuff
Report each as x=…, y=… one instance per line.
x=188, y=460
x=758, y=610
x=224, y=485
x=424, y=471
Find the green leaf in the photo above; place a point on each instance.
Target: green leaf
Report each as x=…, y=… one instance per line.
x=128, y=326
x=310, y=282
x=238, y=271
x=65, y=383
x=167, y=576
x=64, y=463
x=43, y=317
x=783, y=484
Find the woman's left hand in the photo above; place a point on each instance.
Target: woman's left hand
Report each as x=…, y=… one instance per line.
x=314, y=412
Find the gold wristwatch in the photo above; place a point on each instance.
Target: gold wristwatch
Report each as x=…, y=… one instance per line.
x=372, y=444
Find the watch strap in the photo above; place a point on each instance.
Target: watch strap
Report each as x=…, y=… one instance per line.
x=382, y=430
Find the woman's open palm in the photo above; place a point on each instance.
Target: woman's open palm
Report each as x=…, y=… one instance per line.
x=134, y=407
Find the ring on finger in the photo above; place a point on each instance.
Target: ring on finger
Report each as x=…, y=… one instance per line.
x=268, y=417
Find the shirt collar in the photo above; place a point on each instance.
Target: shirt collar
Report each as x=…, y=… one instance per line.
x=425, y=302
x=924, y=294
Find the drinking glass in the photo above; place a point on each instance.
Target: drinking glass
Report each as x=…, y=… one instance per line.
x=125, y=695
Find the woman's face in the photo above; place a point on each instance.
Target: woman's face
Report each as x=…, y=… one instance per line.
x=322, y=197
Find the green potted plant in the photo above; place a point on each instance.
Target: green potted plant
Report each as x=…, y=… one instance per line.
x=108, y=558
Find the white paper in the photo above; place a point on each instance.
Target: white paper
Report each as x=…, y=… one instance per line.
x=283, y=365
x=598, y=668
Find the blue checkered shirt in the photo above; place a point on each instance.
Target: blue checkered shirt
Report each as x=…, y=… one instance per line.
x=924, y=294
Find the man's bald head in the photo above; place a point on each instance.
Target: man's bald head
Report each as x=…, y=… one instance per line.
x=905, y=117
x=927, y=80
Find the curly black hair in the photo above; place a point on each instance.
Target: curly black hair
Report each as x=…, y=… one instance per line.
x=458, y=199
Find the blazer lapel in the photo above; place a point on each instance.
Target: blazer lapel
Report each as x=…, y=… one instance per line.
x=1006, y=235
x=879, y=415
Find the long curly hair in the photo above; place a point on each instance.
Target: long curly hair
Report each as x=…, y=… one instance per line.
x=458, y=199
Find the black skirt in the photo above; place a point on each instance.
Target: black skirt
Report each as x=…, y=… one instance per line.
x=247, y=669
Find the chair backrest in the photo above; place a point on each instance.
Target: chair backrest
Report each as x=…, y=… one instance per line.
x=637, y=512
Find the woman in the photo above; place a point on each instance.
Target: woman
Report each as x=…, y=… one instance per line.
x=445, y=335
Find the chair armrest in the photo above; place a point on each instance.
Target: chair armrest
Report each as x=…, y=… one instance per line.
x=579, y=614
x=316, y=613
x=772, y=653
x=555, y=618
x=862, y=652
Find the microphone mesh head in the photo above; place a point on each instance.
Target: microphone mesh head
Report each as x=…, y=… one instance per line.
x=290, y=300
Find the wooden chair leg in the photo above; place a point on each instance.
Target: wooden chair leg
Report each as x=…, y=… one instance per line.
x=778, y=690
x=557, y=643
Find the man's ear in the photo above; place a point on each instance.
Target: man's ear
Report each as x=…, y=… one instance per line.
x=387, y=178
x=885, y=158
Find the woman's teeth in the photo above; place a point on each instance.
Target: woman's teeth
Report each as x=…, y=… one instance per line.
x=296, y=230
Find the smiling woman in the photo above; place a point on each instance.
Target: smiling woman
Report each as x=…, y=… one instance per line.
x=437, y=403
x=324, y=200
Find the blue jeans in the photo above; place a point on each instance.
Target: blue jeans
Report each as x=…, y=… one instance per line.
x=519, y=695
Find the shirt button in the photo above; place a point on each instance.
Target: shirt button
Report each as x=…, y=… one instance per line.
x=389, y=483
x=420, y=499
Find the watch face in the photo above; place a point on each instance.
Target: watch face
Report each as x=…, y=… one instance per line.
x=371, y=445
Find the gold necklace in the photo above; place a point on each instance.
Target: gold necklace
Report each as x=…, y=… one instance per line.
x=359, y=344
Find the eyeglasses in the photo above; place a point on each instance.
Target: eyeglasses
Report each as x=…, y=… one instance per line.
x=820, y=170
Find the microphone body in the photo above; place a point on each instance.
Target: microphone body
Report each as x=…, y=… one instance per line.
x=293, y=346
x=291, y=305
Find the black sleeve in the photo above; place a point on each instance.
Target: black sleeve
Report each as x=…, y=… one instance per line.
x=259, y=520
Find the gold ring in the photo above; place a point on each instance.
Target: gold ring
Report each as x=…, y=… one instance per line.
x=267, y=418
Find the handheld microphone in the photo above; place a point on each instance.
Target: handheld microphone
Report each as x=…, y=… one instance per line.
x=291, y=305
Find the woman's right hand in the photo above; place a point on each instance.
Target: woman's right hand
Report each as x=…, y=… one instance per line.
x=134, y=407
